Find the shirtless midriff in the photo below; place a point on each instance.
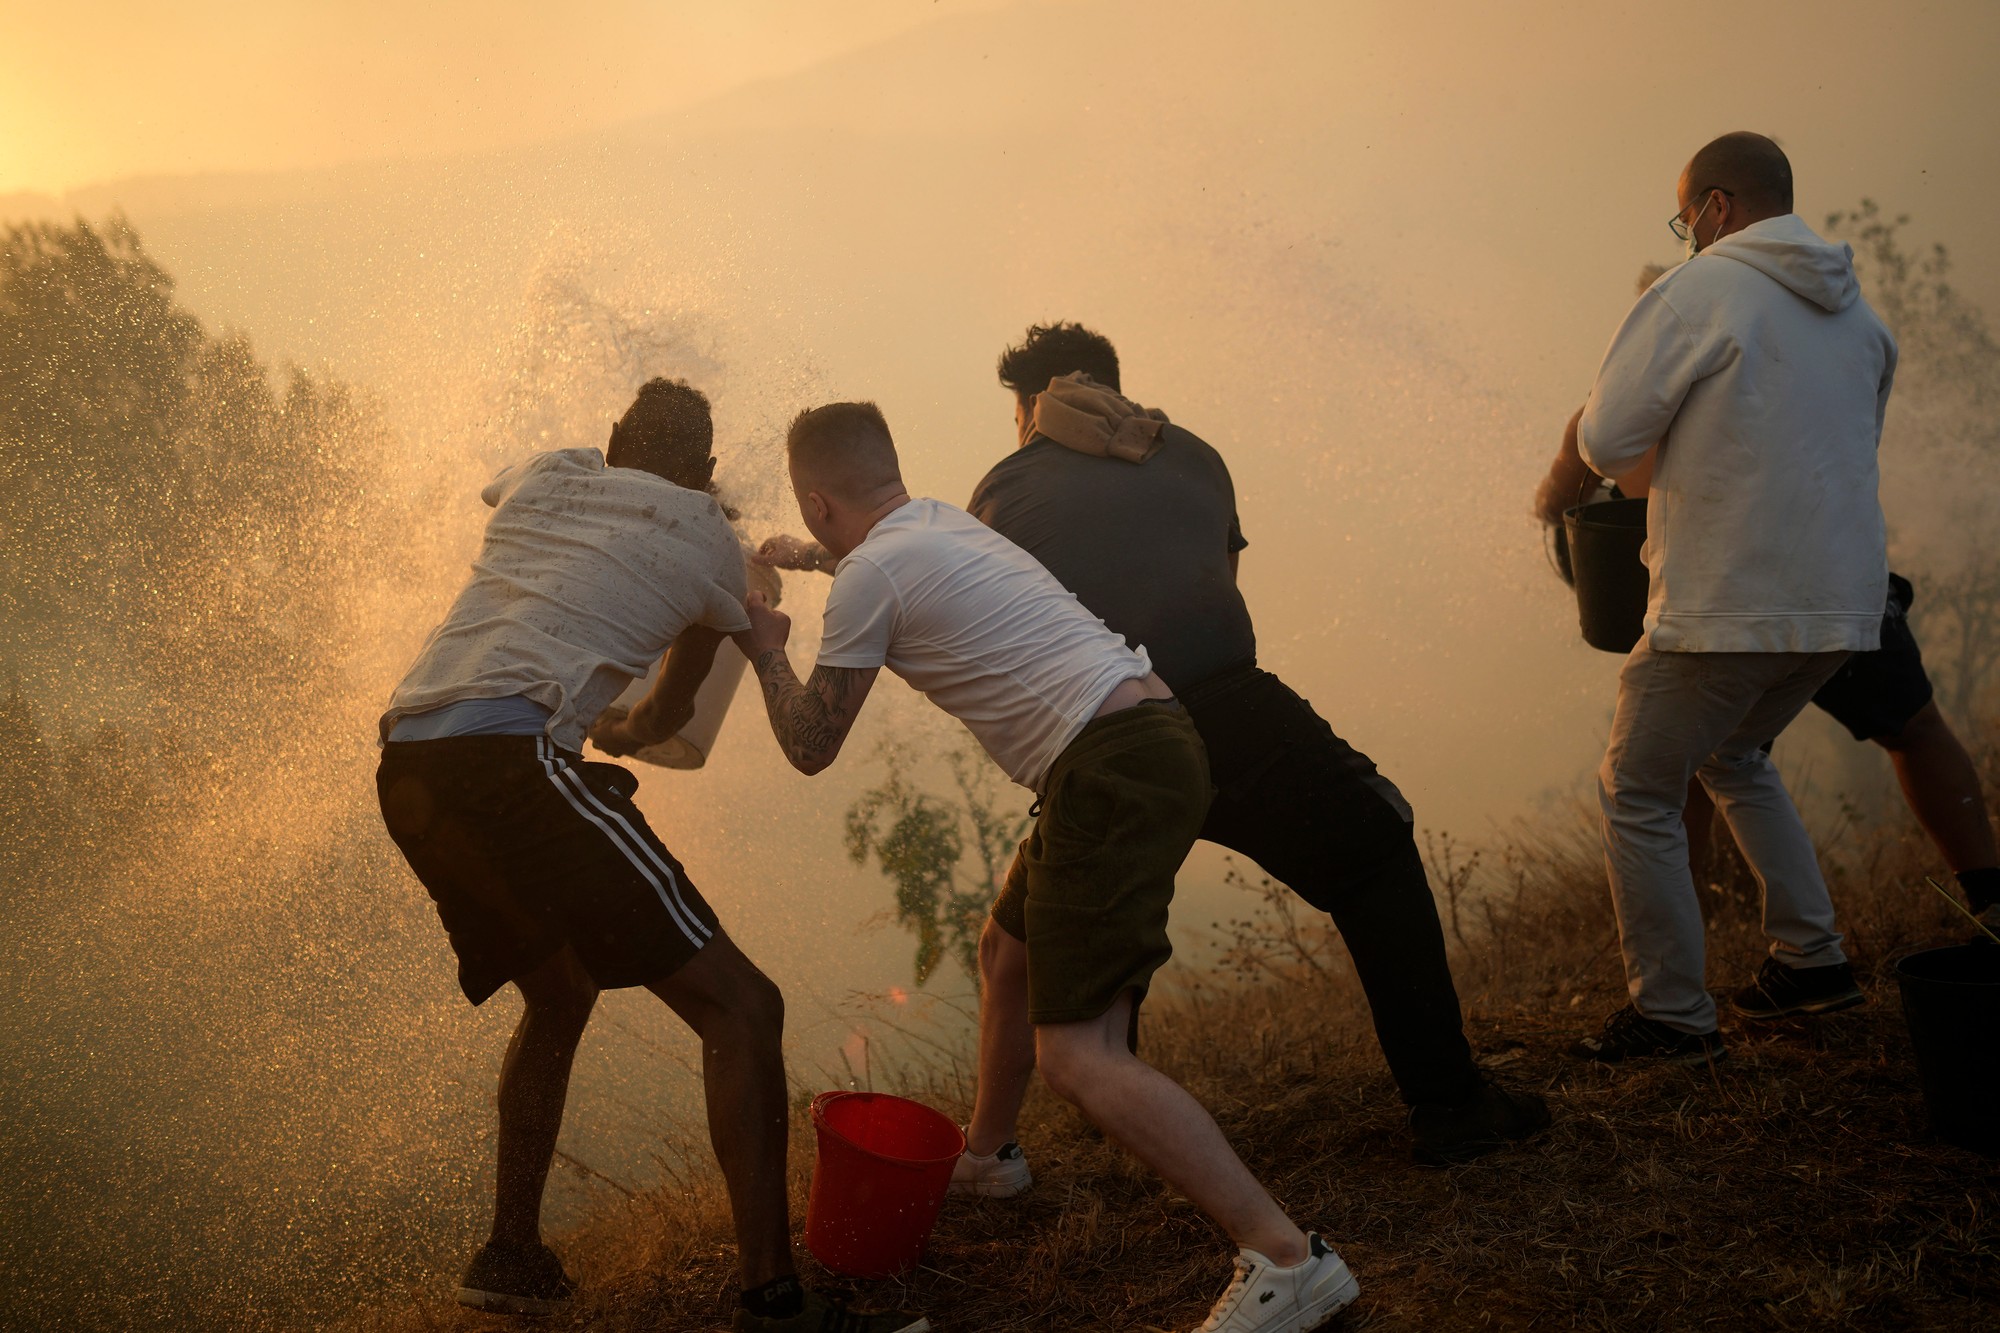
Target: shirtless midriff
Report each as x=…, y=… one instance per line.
x=1130, y=692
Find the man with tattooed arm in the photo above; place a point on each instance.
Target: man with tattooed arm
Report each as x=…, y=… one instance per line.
x=1121, y=776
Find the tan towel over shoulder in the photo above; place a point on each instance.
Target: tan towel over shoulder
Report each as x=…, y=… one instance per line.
x=1079, y=413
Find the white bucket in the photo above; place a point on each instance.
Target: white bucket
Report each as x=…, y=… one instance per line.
x=691, y=746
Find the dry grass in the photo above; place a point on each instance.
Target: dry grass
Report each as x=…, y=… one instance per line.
x=1794, y=1187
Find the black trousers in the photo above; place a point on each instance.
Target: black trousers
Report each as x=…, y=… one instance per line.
x=1313, y=812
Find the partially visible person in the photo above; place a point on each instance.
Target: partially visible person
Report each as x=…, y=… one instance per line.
x=1884, y=696
x=545, y=874
x=1074, y=715
x=1747, y=388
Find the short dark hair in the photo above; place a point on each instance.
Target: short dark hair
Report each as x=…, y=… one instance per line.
x=844, y=449
x=667, y=431
x=1750, y=166
x=1051, y=351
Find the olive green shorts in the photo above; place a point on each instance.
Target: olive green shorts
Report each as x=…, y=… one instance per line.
x=1090, y=887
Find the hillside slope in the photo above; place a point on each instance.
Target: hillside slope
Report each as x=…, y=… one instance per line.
x=1792, y=1187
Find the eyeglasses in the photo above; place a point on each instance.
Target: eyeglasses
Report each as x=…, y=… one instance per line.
x=1677, y=223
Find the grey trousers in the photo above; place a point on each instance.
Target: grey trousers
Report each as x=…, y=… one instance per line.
x=1683, y=715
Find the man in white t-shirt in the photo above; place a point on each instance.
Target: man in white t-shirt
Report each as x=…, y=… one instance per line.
x=543, y=870
x=1070, y=712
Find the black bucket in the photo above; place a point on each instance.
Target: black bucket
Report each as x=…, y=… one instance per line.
x=1612, y=585
x=1951, y=1001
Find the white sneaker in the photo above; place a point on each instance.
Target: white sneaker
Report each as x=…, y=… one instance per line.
x=1264, y=1298
x=1000, y=1175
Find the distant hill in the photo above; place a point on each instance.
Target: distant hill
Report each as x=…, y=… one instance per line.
x=37, y=207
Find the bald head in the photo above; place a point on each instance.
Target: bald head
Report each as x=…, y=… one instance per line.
x=1750, y=168
x=844, y=451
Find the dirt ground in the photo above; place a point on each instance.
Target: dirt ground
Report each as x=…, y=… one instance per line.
x=1794, y=1186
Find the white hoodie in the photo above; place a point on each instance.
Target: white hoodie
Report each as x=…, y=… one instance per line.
x=1766, y=376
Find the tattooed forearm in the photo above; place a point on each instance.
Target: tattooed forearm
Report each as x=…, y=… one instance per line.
x=810, y=720
x=811, y=725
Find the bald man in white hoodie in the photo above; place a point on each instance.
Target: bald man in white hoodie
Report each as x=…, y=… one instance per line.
x=1751, y=382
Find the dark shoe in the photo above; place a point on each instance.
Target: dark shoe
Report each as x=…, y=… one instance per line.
x=1630, y=1035
x=1781, y=991
x=825, y=1314
x=509, y=1279
x=1491, y=1118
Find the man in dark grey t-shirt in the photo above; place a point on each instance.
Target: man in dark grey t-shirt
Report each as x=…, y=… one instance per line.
x=1137, y=544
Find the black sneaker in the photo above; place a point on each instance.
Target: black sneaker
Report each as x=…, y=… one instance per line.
x=513, y=1279
x=826, y=1314
x=1780, y=991
x=1491, y=1118
x=1630, y=1035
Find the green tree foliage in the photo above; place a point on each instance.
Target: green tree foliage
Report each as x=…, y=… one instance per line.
x=1945, y=433
x=170, y=522
x=919, y=841
x=1943, y=336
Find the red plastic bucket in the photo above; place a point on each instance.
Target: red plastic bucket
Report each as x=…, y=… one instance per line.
x=880, y=1177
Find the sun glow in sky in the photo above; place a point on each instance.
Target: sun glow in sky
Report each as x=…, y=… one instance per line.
x=90, y=93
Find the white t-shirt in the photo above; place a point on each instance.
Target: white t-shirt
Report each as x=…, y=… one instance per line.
x=979, y=626
x=586, y=574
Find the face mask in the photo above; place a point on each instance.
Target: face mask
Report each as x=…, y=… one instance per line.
x=1693, y=245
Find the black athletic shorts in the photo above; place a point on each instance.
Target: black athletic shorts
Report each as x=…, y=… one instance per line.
x=526, y=848
x=1874, y=695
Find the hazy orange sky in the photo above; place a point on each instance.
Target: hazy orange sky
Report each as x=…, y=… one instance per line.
x=95, y=92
